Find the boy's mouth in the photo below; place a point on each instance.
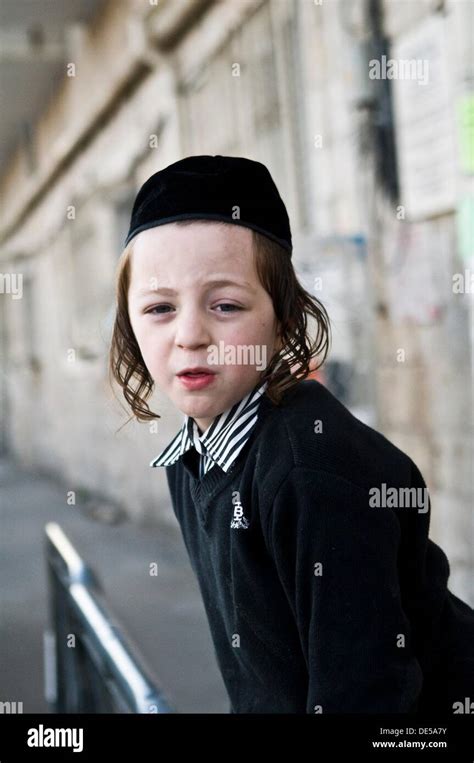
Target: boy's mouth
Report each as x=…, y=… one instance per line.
x=195, y=372
x=196, y=378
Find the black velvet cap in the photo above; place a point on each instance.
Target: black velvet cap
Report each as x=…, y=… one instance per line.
x=233, y=189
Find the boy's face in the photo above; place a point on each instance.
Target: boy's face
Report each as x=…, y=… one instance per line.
x=181, y=319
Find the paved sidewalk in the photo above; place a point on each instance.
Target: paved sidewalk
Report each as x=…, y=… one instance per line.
x=162, y=615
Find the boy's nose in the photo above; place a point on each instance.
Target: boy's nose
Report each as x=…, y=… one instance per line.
x=191, y=330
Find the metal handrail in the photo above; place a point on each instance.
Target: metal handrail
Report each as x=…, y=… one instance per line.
x=100, y=671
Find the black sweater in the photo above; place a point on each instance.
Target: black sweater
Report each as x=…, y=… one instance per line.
x=317, y=599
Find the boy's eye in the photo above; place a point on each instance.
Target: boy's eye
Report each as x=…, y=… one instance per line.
x=228, y=304
x=151, y=311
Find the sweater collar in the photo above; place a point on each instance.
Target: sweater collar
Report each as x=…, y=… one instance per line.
x=223, y=439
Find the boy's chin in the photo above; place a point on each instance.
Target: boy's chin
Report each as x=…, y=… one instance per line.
x=193, y=408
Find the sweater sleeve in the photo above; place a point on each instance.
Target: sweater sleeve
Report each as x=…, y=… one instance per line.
x=336, y=557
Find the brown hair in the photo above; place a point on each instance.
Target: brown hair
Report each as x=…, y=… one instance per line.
x=292, y=305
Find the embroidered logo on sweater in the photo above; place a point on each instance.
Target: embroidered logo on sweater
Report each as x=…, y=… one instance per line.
x=239, y=521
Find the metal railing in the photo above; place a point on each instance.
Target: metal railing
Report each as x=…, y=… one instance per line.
x=90, y=667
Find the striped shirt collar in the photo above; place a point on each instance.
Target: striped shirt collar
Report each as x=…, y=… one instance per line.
x=223, y=439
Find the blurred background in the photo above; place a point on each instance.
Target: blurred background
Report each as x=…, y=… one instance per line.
x=363, y=110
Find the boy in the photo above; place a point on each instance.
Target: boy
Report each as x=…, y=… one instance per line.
x=303, y=526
